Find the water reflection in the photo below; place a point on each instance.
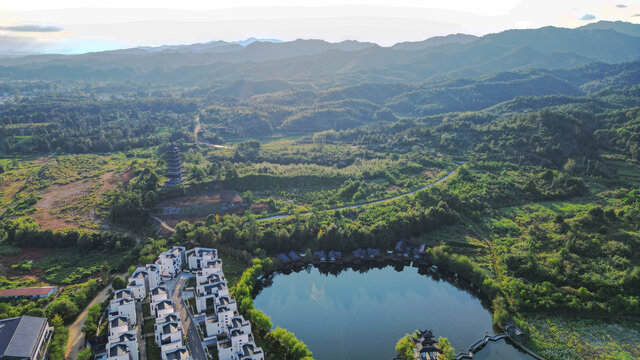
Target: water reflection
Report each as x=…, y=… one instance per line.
x=360, y=312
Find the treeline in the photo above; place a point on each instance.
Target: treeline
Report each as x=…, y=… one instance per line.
x=586, y=262
x=77, y=124
x=267, y=114
x=563, y=136
x=278, y=341
x=469, y=192
x=23, y=232
x=133, y=203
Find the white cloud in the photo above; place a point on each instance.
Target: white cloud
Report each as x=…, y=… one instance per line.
x=31, y=28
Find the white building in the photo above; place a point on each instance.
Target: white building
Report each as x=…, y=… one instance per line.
x=250, y=351
x=118, y=325
x=210, y=267
x=206, y=295
x=170, y=317
x=153, y=275
x=123, y=293
x=220, y=322
x=210, y=278
x=138, y=284
x=198, y=256
x=119, y=351
x=158, y=293
x=168, y=335
x=229, y=348
x=170, y=262
x=123, y=307
x=162, y=308
x=180, y=353
x=129, y=339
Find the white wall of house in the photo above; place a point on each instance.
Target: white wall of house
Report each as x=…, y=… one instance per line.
x=126, y=356
x=258, y=353
x=138, y=291
x=153, y=275
x=173, y=337
x=198, y=256
x=202, y=275
x=124, y=307
x=132, y=344
x=158, y=297
x=162, y=310
x=117, y=330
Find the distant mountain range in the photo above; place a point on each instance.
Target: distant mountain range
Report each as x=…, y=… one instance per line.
x=348, y=62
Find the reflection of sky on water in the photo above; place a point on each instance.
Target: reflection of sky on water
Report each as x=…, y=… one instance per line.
x=362, y=315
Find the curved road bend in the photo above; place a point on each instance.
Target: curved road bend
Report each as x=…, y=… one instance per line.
x=196, y=130
x=168, y=228
x=439, y=181
x=75, y=344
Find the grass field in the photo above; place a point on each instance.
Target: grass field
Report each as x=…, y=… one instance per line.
x=69, y=266
x=560, y=337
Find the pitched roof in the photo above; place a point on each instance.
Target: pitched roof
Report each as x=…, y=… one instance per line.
x=170, y=328
x=118, y=321
x=19, y=336
x=164, y=304
x=284, y=258
x=158, y=290
x=117, y=349
x=177, y=354
x=35, y=291
x=122, y=292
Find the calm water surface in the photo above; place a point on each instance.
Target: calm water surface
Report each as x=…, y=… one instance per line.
x=360, y=315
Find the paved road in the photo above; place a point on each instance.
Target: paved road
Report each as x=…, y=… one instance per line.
x=168, y=228
x=142, y=342
x=193, y=340
x=439, y=181
x=75, y=344
x=196, y=130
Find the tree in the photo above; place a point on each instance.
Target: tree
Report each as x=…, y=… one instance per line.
x=86, y=354
x=118, y=283
x=63, y=307
x=447, y=350
x=404, y=347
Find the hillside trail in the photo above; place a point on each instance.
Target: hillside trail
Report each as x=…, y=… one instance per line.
x=75, y=343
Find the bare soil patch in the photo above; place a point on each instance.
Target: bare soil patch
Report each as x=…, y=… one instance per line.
x=33, y=254
x=69, y=205
x=205, y=198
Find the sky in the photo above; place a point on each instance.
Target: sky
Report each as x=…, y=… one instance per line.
x=78, y=26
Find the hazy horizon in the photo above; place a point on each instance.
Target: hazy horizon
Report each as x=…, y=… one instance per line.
x=73, y=27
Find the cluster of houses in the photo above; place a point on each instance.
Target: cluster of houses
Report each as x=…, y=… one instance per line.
x=168, y=332
x=218, y=311
x=409, y=253
x=145, y=281
x=401, y=252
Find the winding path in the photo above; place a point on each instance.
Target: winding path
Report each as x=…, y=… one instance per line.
x=75, y=344
x=196, y=130
x=169, y=229
x=439, y=181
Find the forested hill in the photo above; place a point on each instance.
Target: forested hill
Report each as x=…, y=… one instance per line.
x=346, y=62
x=84, y=121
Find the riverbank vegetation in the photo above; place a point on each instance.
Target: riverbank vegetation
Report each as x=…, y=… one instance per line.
x=278, y=341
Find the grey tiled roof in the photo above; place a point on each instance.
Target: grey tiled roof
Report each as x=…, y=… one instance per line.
x=19, y=336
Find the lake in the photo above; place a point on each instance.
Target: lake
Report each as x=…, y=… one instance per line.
x=361, y=314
